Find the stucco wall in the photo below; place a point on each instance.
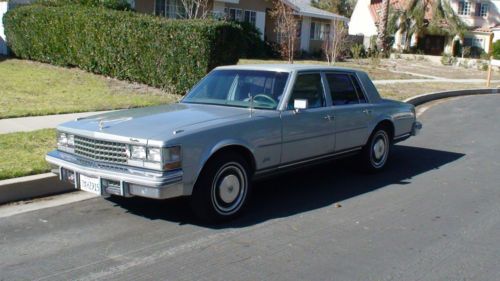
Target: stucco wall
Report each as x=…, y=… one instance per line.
x=492, y=19
x=361, y=20
x=3, y=40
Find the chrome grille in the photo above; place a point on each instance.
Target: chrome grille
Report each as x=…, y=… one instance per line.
x=105, y=151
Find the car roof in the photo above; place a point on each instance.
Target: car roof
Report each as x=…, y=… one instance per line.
x=284, y=67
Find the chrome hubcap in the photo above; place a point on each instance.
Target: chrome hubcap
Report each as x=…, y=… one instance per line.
x=379, y=148
x=229, y=188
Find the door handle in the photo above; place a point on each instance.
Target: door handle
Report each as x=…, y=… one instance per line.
x=328, y=117
x=367, y=111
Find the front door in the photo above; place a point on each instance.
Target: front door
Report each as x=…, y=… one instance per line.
x=307, y=133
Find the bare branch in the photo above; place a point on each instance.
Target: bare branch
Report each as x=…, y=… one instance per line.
x=286, y=29
x=335, y=40
x=195, y=9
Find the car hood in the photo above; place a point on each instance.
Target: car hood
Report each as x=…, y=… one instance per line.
x=145, y=123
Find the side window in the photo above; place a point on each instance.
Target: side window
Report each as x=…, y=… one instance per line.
x=344, y=89
x=361, y=96
x=310, y=88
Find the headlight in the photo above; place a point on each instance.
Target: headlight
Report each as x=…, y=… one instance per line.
x=65, y=142
x=154, y=154
x=62, y=139
x=163, y=158
x=138, y=152
x=71, y=140
x=172, y=158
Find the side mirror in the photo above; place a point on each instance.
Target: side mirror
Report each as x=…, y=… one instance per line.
x=299, y=104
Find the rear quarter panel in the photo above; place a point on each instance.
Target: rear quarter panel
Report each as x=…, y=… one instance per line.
x=400, y=114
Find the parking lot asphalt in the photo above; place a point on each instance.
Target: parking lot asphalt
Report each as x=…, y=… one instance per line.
x=433, y=214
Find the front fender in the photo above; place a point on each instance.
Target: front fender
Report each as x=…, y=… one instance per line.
x=214, y=148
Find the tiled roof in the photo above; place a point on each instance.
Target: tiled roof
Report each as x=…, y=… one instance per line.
x=376, y=7
x=304, y=8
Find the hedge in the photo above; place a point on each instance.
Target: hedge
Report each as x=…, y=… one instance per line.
x=171, y=54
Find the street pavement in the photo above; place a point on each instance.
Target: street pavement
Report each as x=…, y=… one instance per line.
x=433, y=214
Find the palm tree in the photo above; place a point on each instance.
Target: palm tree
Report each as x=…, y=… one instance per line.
x=382, y=26
x=412, y=21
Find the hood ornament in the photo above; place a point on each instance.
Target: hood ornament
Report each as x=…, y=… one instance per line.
x=117, y=121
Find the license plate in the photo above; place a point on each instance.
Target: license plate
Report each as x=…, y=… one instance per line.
x=89, y=184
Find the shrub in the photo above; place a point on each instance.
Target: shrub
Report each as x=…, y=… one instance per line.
x=172, y=54
x=357, y=51
x=447, y=59
x=122, y=5
x=496, y=50
x=254, y=46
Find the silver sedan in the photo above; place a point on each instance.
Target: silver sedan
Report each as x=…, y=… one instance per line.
x=238, y=124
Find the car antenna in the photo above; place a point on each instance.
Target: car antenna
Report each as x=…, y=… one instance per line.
x=251, y=103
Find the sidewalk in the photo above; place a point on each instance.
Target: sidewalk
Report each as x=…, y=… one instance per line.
x=26, y=124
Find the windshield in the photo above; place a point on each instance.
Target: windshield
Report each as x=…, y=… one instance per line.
x=241, y=88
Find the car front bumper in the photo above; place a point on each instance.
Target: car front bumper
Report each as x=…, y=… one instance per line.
x=415, y=130
x=117, y=179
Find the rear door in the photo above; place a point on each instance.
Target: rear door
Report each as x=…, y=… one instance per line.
x=351, y=110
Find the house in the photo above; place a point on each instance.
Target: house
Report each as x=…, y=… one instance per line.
x=3, y=44
x=313, y=23
x=480, y=16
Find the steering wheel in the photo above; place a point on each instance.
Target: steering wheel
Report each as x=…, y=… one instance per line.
x=265, y=98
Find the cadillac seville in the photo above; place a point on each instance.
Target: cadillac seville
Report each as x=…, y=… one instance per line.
x=238, y=124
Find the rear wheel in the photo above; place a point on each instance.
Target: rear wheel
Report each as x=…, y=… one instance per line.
x=376, y=152
x=222, y=191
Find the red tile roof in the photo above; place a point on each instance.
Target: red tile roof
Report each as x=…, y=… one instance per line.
x=376, y=8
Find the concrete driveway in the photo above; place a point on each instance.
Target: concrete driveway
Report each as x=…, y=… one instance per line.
x=434, y=214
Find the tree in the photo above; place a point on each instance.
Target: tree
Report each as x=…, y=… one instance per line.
x=412, y=21
x=286, y=28
x=341, y=7
x=382, y=26
x=195, y=9
x=335, y=41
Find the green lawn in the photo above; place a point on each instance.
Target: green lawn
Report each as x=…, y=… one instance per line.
x=375, y=71
x=30, y=88
x=23, y=154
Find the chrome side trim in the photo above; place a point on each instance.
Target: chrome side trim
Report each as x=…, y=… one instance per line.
x=305, y=162
x=402, y=136
x=319, y=158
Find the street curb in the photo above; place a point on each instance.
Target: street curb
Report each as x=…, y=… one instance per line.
x=421, y=99
x=29, y=187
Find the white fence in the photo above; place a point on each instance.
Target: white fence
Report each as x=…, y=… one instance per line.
x=3, y=42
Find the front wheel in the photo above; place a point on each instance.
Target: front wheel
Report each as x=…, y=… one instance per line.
x=222, y=191
x=376, y=152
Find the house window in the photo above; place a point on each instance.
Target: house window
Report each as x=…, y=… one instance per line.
x=175, y=9
x=251, y=17
x=171, y=9
x=235, y=14
x=299, y=29
x=483, y=11
x=327, y=31
x=317, y=31
x=474, y=42
x=464, y=8
x=160, y=7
